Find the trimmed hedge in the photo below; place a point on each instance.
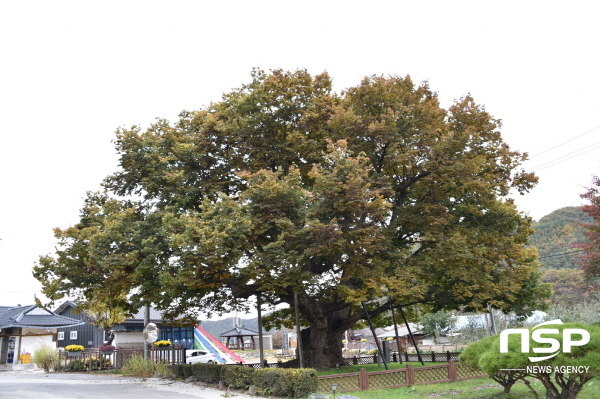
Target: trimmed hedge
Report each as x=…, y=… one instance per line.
x=208, y=373
x=278, y=382
x=297, y=383
x=238, y=377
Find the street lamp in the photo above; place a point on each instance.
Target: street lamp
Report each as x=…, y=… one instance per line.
x=334, y=388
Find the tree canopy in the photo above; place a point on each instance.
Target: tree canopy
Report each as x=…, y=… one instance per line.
x=286, y=187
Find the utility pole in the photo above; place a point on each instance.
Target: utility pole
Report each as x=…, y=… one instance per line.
x=260, y=336
x=299, y=337
x=146, y=321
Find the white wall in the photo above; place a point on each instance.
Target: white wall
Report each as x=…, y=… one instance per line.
x=128, y=339
x=31, y=344
x=267, y=342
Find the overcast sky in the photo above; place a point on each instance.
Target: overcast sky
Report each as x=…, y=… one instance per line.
x=71, y=72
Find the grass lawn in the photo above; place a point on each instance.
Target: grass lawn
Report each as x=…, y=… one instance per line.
x=478, y=388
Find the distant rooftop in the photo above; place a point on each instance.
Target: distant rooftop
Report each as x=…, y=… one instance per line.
x=33, y=316
x=239, y=331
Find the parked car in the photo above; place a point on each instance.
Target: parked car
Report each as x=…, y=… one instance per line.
x=198, y=356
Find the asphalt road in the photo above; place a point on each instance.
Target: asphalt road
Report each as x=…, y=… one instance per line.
x=24, y=385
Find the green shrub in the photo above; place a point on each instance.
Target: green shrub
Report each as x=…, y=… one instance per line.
x=84, y=365
x=76, y=365
x=208, y=373
x=286, y=382
x=238, y=377
x=137, y=366
x=46, y=357
x=277, y=382
x=97, y=363
x=182, y=370
x=188, y=371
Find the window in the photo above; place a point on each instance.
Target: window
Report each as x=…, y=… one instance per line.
x=61, y=335
x=73, y=335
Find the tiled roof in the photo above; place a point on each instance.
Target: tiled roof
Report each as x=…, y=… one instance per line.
x=154, y=314
x=239, y=331
x=33, y=316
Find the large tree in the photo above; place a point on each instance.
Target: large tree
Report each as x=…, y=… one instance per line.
x=285, y=187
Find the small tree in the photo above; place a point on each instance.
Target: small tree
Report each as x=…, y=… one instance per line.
x=563, y=382
x=472, y=356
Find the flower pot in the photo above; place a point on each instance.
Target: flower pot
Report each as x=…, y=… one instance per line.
x=74, y=354
x=107, y=352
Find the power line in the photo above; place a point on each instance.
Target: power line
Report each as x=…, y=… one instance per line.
x=571, y=155
x=565, y=142
x=560, y=254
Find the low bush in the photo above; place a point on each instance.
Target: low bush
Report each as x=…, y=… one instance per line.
x=76, y=365
x=137, y=366
x=93, y=364
x=46, y=357
x=268, y=381
x=182, y=370
x=286, y=382
x=208, y=373
x=238, y=377
x=97, y=363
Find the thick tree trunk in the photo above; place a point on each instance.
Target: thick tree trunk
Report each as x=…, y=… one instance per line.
x=322, y=341
x=570, y=390
x=322, y=349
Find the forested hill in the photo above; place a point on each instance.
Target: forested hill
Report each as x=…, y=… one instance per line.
x=556, y=234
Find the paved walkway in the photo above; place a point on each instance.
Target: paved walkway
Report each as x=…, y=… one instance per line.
x=36, y=385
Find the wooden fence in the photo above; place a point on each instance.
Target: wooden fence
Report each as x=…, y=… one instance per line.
x=92, y=358
x=404, y=377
